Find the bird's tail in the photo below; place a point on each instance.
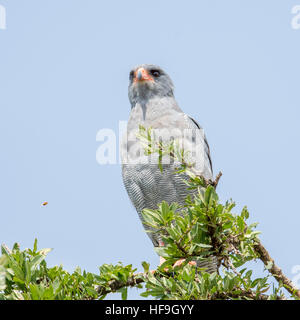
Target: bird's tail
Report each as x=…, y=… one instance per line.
x=210, y=264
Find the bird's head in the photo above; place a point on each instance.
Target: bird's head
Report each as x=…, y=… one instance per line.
x=148, y=81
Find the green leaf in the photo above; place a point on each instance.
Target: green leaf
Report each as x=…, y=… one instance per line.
x=35, y=245
x=36, y=261
x=210, y=195
x=269, y=265
x=146, y=266
x=161, y=251
x=124, y=293
x=2, y=278
x=27, y=272
x=203, y=245
x=91, y=291
x=16, y=247
x=164, y=209
x=5, y=250
x=35, y=292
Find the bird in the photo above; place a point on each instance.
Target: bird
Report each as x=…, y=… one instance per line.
x=153, y=105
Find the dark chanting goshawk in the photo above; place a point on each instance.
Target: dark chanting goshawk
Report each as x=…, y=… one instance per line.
x=153, y=105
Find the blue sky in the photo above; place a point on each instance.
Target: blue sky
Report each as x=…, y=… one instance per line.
x=64, y=69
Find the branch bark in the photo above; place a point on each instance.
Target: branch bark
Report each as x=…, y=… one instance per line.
x=115, y=285
x=275, y=270
x=244, y=295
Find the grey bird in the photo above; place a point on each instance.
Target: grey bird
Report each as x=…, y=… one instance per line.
x=153, y=105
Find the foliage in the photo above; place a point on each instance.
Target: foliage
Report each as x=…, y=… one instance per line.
x=24, y=275
x=202, y=228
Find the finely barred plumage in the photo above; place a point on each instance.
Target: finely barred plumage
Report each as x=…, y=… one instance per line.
x=153, y=105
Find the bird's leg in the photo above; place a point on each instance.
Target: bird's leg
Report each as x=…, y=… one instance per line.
x=161, y=260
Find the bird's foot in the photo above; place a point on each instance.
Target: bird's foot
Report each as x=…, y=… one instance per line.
x=161, y=260
x=181, y=261
x=178, y=263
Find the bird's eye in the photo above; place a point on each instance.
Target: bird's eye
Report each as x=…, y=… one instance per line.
x=155, y=73
x=131, y=74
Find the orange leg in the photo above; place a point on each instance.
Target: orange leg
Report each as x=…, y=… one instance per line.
x=180, y=262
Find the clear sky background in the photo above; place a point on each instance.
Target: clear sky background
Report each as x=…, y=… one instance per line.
x=64, y=69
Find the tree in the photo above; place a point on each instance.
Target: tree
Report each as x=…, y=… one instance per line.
x=202, y=228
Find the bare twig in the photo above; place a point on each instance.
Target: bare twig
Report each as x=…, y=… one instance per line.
x=215, y=183
x=209, y=182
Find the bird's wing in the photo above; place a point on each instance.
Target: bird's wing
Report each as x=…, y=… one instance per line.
x=207, y=150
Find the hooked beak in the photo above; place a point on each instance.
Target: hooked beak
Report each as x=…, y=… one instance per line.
x=142, y=75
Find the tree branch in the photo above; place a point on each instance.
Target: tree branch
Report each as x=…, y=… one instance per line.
x=115, y=285
x=209, y=182
x=243, y=294
x=275, y=270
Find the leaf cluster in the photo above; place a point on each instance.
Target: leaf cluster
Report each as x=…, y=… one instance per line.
x=24, y=275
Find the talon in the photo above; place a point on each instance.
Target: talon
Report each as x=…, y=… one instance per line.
x=161, y=260
x=180, y=262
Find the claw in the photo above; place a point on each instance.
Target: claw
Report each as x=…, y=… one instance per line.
x=181, y=261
